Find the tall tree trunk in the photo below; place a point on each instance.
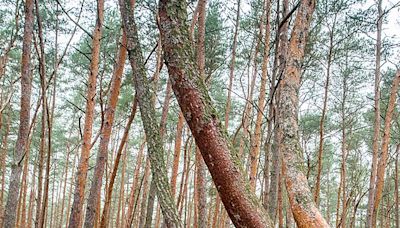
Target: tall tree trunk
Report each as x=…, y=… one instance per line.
x=248, y=107
x=32, y=197
x=146, y=186
x=107, y=203
x=377, y=119
x=342, y=182
x=4, y=152
x=152, y=194
x=121, y=198
x=201, y=172
x=95, y=189
x=68, y=215
x=202, y=119
x=147, y=110
x=232, y=65
x=229, y=95
x=256, y=139
x=81, y=176
x=66, y=171
x=24, y=115
x=45, y=118
x=380, y=174
x=134, y=187
x=177, y=153
x=25, y=175
x=276, y=157
x=201, y=192
x=303, y=207
x=323, y=116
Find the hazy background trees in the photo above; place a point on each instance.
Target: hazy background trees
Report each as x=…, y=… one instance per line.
x=336, y=92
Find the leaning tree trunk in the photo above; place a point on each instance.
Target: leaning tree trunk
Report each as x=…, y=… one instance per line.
x=24, y=117
x=380, y=174
x=303, y=207
x=225, y=168
x=147, y=110
x=81, y=176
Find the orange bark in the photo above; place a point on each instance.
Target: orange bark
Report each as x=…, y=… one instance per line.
x=107, y=203
x=94, y=195
x=81, y=177
x=380, y=175
x=133, y=191
x=303, y=207
x=256, y=139
x=377, y=119
x=177, y=153
x=195, y=103
x=23, y=131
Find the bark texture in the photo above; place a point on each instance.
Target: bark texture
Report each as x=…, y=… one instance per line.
x=377, y=117
x=81, y=176
x=24, y=118
x=196, y=105
x=107, y=203
x=147, y=110
x=380, y=174
x=201, y=172
x=256, y=139
x=94, y=195
x=303, y=207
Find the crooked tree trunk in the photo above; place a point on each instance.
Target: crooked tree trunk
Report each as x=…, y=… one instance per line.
x=380, y=174
x=24, y=118
x=147, y=110
x=303, y=207
x=81, y=176
x=195, y=103
x=95, y=189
